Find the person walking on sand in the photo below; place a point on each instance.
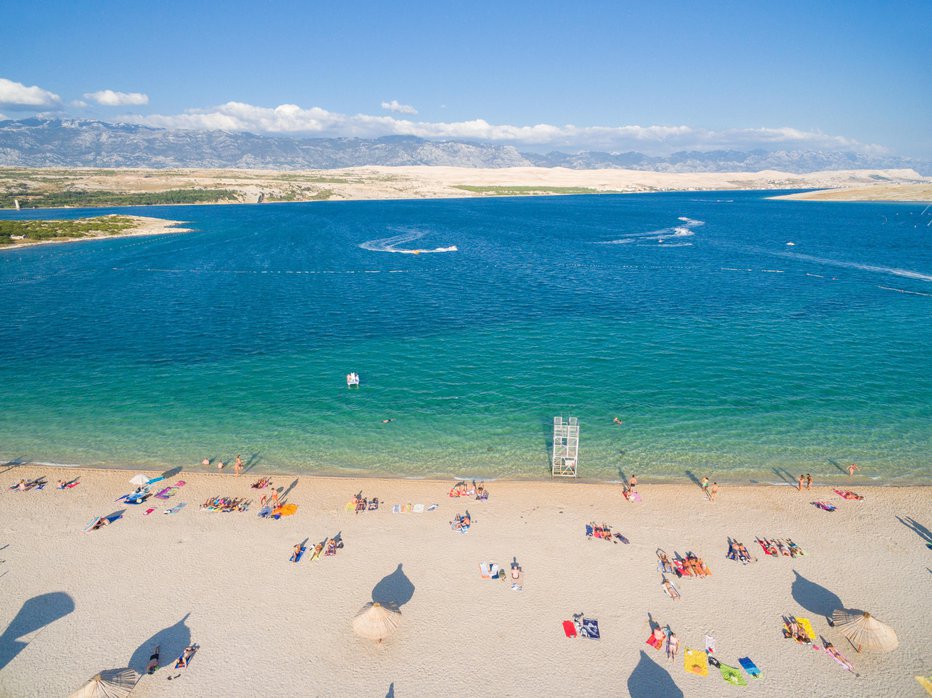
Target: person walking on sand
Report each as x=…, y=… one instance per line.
x=633, y=482
x=713, y=491
x=705, y=486
x=238, y=465
x=852, y=468
x=673, y=644
x=808, y=481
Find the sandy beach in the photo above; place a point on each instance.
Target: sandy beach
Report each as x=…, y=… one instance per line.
x=76, y=603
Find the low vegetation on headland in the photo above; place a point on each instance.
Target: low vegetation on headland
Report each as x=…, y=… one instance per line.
x=82, y=198
x=525, y=191
x=20, y=232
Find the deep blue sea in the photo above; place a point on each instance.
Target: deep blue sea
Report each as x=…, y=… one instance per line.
x=723, y=348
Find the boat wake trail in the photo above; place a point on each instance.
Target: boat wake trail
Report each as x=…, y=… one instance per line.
x=906, y=273
x=405, y=235
x=660, y=236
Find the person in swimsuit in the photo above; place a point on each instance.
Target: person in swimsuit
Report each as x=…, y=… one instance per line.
x=673, y=644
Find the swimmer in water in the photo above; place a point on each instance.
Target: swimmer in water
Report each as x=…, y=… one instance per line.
x=386, y=421
x=617, y=421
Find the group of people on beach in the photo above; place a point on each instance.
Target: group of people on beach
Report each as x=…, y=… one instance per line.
x=690, y=566
x=226, y=504
x=709, y=490
x=461, y=489
x=238, y=464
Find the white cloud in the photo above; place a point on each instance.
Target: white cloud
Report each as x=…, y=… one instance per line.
x=109, y=98
x=654, y=139
x=16, y=95
x=78, y=103
x=398, y=108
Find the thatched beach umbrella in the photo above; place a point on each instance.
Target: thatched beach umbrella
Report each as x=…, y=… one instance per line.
x=112, y=683
x=375, y=622
x=864, y=631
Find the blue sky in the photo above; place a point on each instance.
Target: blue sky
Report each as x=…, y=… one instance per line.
x=608, y=75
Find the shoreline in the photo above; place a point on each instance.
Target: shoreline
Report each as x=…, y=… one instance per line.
x=146, y=226
x=859, y=481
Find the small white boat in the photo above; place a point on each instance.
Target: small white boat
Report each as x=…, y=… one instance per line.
x=352, y=379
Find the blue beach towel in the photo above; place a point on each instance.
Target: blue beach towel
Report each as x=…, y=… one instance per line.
x=750, y=667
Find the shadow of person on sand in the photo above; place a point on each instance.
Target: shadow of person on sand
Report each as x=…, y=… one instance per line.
x=917, y=528
x=37, y=613
x=815, y=598
x=391, y=690
x=649, y=679
x=171, y=641
x=394, y=590
x=692, y=476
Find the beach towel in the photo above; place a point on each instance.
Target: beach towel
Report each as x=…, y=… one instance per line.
x=710, y=644
x=569, y=628
x=484, y=570
x=731, y=674
x=926, y=683
x=91, y=523
x=825, y=506
x=807, y=626
x=848, y=494
x=590, y=628
x=166, y=492
x=175, y=509
x=589, y=531
x=750, y=667
x=297, y=558
x=265, y=511
x=653, y=641
x=181, y=662
x=396, y=508
x=148, y=511
x=696, y=662
x=288, y=509
x=622, y=539
x=418, y=508
x=351, y=505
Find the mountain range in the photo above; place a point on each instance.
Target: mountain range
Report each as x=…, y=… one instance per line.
x=88, y=143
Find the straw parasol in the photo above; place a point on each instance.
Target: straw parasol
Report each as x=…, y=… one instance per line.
x=864, y=631
x=375, y=622
x=112, y=683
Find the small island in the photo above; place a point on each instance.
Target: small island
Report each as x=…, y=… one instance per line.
x=20, y=233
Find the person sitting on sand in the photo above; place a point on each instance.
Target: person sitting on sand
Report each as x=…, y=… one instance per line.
x=481, y=492
x=21, y=486
x=461, y=522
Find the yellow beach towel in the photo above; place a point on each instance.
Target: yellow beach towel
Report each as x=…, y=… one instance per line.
x=807, y=626
x=696, y=662
x=926, y=683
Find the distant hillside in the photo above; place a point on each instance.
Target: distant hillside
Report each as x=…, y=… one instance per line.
x=83, y=143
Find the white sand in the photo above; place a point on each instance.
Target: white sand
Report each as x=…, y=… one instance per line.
x=270, y=627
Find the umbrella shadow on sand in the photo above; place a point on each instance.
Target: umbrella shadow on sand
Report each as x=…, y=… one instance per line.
x=171, y=640
x=650, y=679
x=37, y=613
x=815, y=598
x=394, y=590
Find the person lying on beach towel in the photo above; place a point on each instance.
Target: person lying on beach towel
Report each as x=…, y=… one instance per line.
x=374, y=504
x=459, y=489
x=261, y=483
x=482, y=493
x=836, y=655
x=670, y=590
x=664, y=562
x=186, y=656
x=517, y=577
x=825, y=506
x=153, y=661
x=848, y=495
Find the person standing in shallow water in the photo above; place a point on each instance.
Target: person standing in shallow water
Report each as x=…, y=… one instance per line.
x=799, y=483
x=238, y=465
x=808, y=481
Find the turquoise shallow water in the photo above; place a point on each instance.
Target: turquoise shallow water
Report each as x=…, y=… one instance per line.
x=687, y=315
